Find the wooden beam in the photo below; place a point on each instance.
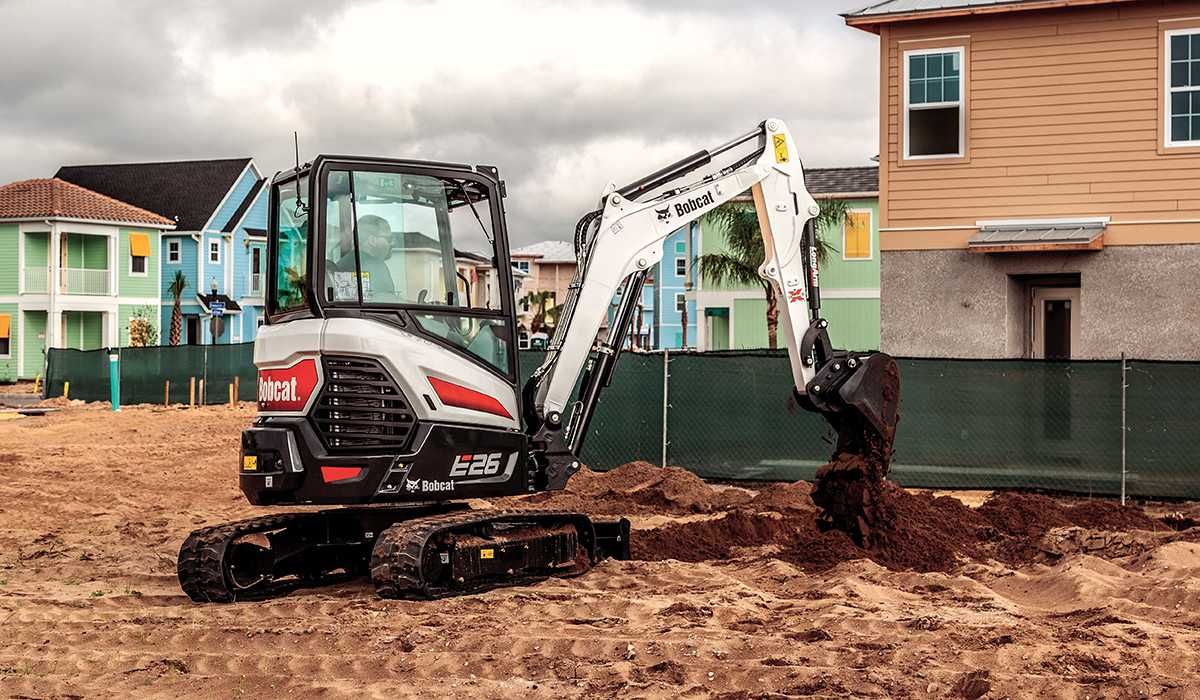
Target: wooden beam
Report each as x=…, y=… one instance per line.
x=1096, y=244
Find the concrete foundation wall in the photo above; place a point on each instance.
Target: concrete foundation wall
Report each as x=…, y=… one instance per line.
x=1141, y=300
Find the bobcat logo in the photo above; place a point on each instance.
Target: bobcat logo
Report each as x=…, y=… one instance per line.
x=664, y=214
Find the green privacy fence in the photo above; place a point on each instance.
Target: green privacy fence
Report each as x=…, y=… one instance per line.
x=730, y=415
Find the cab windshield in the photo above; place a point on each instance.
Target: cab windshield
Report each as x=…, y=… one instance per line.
x=415, y=240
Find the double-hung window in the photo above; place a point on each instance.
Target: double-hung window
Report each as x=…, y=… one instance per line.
x=934, y=117
x=173, y=251
x=214, y=252
x=1183, y=88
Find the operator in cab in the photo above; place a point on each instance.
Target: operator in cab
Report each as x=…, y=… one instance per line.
x=375, y=247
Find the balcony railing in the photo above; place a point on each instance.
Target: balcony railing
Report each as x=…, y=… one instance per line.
x=36, y=280
x=80, y=281
x=255, y=284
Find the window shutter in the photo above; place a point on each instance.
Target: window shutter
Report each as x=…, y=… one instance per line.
x=857, y=242
x=4, y=325
x=139, y=245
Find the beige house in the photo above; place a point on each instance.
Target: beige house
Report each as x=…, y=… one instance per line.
x=1039, y=177
x=548, y=266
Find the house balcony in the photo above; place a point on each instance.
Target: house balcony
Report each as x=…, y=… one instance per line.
x=37, y=280
x=256, y=285
x=84, y=281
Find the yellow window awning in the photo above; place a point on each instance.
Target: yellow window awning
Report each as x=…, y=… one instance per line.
x=856, y=242
x=139, y=245
x=4, y=325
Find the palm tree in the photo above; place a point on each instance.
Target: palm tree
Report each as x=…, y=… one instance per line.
x=176, y=289
x=739, y=264
x=538, y=301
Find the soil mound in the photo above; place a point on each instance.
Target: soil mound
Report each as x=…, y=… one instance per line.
x=640, y=488
x=925, y=533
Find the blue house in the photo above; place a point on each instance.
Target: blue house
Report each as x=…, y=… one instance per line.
x=664, y=297
x=219, y=243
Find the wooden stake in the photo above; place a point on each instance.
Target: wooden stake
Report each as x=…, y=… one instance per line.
x=66, y=390
x=202, y=395
x=167, y=393
x=237, y=389
x=192, y=392
x=232, y=396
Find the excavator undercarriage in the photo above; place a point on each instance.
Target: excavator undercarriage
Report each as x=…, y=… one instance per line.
x=388, y=374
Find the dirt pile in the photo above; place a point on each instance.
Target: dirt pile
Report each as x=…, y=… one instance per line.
x=914, y=531
x=639, y=488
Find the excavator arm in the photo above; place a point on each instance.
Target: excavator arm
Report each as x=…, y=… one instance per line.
x=620, y=242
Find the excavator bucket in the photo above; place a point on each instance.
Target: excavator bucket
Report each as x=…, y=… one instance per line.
x=864, y=414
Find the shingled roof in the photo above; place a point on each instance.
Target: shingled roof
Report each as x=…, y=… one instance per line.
x=894, y=10
x=862, y=181
x=187, y=191
x=54, y=198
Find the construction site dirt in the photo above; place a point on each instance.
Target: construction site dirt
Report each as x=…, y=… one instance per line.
x=733, y=590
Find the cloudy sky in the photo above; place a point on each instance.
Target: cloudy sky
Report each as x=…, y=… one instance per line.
x=562, y=96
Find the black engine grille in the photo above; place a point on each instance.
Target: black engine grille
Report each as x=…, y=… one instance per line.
x=360, y=408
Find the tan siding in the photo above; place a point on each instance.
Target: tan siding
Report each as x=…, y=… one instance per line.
x=1063, y=119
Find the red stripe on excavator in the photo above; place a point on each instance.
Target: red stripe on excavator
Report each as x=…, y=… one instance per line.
x=452, y=394
x=331, y=474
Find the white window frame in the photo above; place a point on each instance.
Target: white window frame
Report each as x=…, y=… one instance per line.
x=870, y=235
x=522, y=340
x=250, y=273
x=522, y=265
x=1168, y=90
x=678, y=261
x=961, y=103
x=211, y=243
x=12, y=330
x=680, y=297
x=145, y=267
x=174, y=250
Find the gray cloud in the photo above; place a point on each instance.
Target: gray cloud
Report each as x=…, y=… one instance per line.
x=561, y=97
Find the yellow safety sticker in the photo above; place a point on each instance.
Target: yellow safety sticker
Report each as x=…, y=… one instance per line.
x=250, y=463
x=781, y=154
x=487, y=554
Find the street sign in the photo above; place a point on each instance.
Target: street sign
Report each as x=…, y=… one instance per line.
x=217, y=308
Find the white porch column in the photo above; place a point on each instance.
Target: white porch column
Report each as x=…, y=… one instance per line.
x=53, y=316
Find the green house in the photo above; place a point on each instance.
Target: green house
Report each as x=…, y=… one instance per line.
x=735, y=317
x=77, y=270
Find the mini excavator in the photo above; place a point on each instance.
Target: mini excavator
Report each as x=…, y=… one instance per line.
x=388, y=378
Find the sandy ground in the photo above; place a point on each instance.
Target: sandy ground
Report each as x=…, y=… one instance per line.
x=94, y=505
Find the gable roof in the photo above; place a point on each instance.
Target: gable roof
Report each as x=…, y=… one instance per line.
x=246, y=203
x=547, y=252
x=53, y=198
x=862, y=181
x=187, y=191
x=900, y=10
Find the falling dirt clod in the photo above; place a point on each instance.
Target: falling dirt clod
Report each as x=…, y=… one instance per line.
x=851, y=489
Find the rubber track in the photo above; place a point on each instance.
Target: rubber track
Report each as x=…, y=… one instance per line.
x=396, y=557
x=200, y=565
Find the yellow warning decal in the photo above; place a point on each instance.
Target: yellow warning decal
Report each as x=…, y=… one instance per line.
x=250, y=463
x=487, y=554
x=781, y=154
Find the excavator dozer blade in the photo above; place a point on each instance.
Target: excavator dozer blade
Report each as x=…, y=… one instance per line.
x=864, y=415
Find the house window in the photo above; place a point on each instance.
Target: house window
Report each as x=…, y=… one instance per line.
x=680, y=302
x=933, y=90
x=681, y=267
x=5, y=335
x=856, y=236
x=256, y=271
x=173, y=251
x=522, y=341
x=522, y=265
x=139, y=250
x=1183, y=88
x=214, y=252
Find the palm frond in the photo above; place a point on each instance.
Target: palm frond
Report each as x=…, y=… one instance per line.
x=726, y=269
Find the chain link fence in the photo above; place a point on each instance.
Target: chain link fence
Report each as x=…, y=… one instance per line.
x=1087, y=427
